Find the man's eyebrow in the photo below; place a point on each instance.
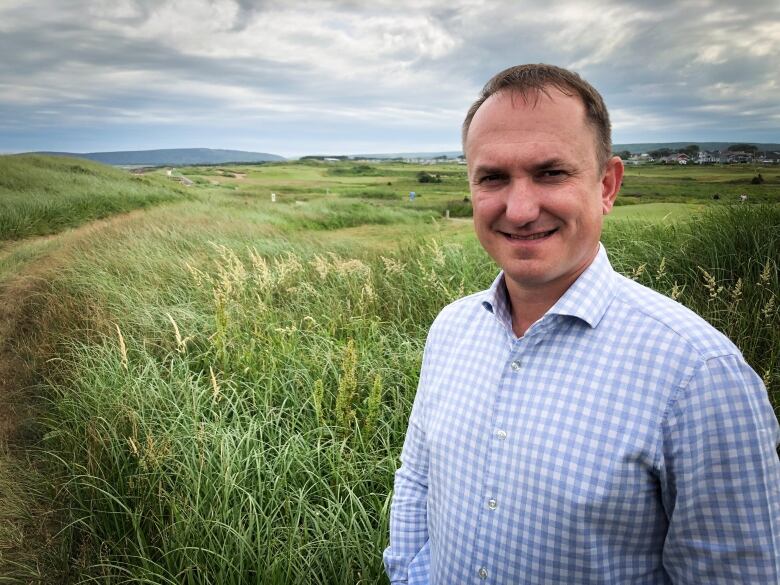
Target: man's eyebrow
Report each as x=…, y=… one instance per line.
x=544, y=165
x=488, y=170
x=550, y=163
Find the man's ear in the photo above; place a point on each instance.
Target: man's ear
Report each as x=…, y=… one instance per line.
x=610, y=183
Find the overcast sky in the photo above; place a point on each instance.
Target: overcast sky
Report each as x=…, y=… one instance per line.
x=339, y=77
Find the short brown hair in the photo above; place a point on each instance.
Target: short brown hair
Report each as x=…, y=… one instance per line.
x=534, y=78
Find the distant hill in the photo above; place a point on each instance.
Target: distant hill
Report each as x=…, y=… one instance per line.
x=173, y=156
x=448, y=154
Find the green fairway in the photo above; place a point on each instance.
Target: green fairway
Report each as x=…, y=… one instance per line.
x=655, y=212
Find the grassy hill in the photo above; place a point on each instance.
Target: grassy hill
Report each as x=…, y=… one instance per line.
x=45, y=194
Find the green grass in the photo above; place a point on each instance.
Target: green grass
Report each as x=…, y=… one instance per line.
x=699, y=183
x=232, y=377
x=46, y=194
x=653, y=212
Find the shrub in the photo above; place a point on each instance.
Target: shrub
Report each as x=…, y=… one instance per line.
x=426, y=177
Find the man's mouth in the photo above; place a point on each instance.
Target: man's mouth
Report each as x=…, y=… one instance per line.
x=536, y=236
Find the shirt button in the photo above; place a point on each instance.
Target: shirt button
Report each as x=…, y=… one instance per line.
x=482, y=573
x=501, y=434
x=516, y=365
x=492, y=503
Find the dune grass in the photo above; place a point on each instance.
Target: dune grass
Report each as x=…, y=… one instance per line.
x=232, y=404
x=45, y=194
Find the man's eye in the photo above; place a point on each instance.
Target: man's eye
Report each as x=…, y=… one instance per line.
x=490, y=179
x=553, y=173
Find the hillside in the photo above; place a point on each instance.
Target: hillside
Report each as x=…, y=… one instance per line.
x=173, y=156
x=46, y=194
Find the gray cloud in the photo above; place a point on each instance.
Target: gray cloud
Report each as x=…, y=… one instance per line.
x=299, y=77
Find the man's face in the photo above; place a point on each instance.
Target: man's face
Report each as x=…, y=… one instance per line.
x=538, y=191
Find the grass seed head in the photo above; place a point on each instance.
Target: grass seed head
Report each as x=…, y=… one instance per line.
x=122, y=347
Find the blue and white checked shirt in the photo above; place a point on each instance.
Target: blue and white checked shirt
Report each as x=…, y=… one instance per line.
x=621, y=440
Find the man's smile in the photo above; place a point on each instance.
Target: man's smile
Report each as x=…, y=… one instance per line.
x=530, y=237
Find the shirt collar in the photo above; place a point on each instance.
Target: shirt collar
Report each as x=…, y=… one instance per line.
x=587, y=299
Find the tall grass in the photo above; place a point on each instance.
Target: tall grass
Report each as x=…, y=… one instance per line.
x=233, y=412
x=45, y=194
x=723, y=265
x=250, y=432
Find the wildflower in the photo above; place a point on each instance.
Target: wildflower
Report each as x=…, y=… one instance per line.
x=214, y=386
x=638, y=271
x=368, y=293
x=321, y=266
x=768, y=310
x=347, y=388
x=287, y=266
x=763, y=278
x=710, y=284
x=661, y=269
x=392, y=266
x=197, y=275
x=767, y=378
x=677, y=290
x=261, y=274
x=133, y=446
x=352, y=266
x=181, y=343
x=437, y=253
x=736, y=293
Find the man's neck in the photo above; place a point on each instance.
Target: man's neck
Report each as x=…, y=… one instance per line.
x=527, y=310
x=529, y=303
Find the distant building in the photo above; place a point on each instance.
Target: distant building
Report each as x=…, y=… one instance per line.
x=679, y=159
x=770, y=158
x=706, y=157
x=735, y=157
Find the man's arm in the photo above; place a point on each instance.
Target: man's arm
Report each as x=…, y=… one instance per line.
x=720, y=478
x=408, y=515
x=407, y=559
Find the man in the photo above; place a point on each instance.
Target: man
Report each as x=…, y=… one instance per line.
x=570, y=425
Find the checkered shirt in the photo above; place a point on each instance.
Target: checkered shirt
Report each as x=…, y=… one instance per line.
x=621, y=440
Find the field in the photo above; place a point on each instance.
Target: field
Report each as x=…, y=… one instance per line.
x=215, y=388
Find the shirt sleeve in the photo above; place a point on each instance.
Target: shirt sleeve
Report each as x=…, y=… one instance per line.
x=720, y=478
x=407, y=559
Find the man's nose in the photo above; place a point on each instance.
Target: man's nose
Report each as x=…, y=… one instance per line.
x=522, y=202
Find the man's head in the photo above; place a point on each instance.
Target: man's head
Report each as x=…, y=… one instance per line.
x=539, y=185
x=531, y=80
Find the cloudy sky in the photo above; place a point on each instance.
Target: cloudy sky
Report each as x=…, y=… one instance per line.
x=313, y=77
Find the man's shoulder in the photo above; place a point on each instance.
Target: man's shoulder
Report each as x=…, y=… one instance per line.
x=664, y=318
x=463, y=308
x=459, y=315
